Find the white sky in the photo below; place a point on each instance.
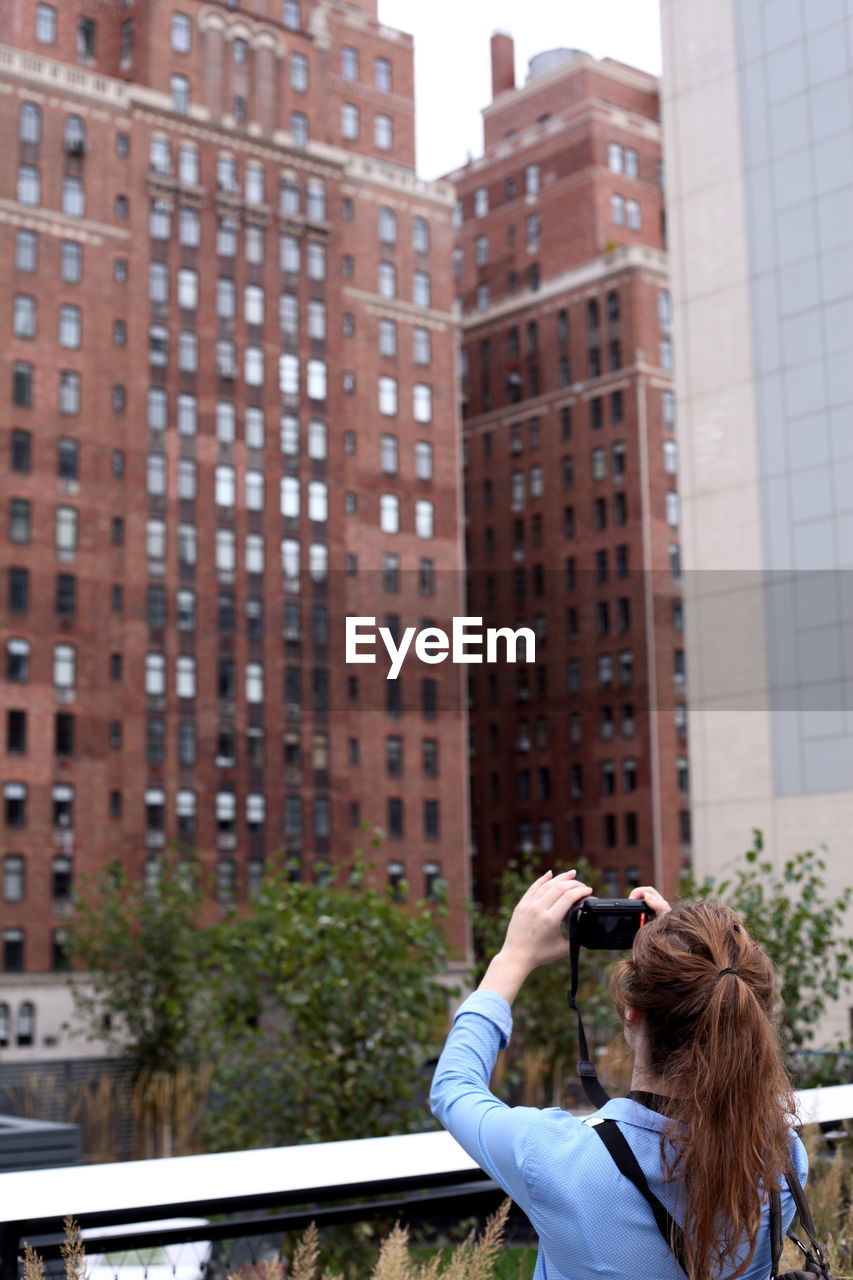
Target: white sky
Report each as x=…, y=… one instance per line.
x=453, y=70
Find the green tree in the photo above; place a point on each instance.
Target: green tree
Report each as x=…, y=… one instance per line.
x=801, y=926
x=144, y=954
x=326, y=1004
x=313, y=1012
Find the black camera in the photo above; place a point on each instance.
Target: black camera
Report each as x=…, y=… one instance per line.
x=599, y=924
x=607, y=924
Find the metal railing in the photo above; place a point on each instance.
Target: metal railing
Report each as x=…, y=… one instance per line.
x=249, y=1200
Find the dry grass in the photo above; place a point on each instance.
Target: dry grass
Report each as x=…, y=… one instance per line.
x=829, y=1194
x=33, y=1268
x=73, y=1253
x=167, y=1112
x=475, y=1259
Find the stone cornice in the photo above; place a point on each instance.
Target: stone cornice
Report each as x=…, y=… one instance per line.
x=591, y=109
x=633, y=257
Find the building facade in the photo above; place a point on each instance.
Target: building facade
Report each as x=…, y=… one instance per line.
x=230, y=418
x=572, y=516
x=759, y=129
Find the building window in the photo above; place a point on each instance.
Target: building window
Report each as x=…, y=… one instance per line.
x=66, y=595
x=15, y=804
x=424, y=519
x=388, y=396
x=22, y=384
x=422, y=402
x=13, y=951
x=632, y=208
x=349, y=121
x=389, y=513
x=387, y=337
x=45, y=24
x=423, y=460
x=420, y=235
x=21, y=451
x=388, y=454
x=383, y=133
x=155, y=675
x=14, y=877
x=181, y=33
x=315, y=260
x=19, y=520
x=421, y=345
x=432, y=820
x=315, y=200
x=299, y=129
x=615, y=158
x=86, y=38
x=160, y=155
x=73, y=197
x=29, y=123
x=26, y=250
x=188, y=289
x=421, y=289
x=617, y=210
x=387, y=280
x=179, y=87
x=298, y=72
x=481, y=202
x=29, y=185
x=188, y=164
x=382, y=75
x=189, y=227
x=66, y=529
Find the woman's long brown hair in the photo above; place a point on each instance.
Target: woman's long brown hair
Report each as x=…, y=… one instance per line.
x=713, y=1045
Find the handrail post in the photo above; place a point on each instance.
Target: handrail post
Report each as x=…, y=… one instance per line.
x=10, y=1243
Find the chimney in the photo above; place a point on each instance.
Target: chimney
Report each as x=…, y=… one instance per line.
x=503, y=63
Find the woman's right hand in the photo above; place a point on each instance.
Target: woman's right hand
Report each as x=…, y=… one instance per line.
x=653, y=899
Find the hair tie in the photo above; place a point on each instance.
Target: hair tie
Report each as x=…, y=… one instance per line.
x=723, y=972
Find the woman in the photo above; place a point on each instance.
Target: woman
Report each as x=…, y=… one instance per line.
x=708, y=1117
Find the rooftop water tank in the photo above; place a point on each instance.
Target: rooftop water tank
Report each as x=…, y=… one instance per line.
x=541, y=64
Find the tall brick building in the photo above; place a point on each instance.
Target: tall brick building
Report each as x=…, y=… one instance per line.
x=229, y=417
x=571, y=466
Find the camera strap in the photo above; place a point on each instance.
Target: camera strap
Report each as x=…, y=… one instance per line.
x=586, y=1070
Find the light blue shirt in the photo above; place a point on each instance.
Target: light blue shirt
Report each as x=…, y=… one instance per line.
x=592, y=1223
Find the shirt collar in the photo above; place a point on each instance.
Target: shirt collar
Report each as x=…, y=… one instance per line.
x=634, y=1113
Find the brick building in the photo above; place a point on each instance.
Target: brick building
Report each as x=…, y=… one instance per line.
x=570, y=473
x=229, y=418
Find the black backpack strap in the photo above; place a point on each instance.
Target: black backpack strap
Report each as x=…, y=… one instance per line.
x=776, y=1240
x=628, y=1165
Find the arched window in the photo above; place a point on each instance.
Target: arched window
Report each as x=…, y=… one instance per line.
x=29, y=123
x=26, y=1023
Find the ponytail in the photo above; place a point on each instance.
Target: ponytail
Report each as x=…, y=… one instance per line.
x=707, y=993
